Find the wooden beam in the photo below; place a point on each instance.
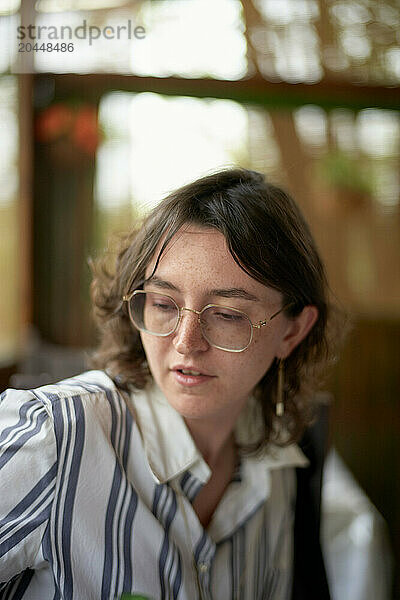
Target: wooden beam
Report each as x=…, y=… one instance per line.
x=253, y=90
x=25, y=208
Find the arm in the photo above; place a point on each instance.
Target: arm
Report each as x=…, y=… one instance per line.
x=27, y=479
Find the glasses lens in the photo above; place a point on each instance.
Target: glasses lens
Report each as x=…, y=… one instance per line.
x=154, y=313
x=226, y=328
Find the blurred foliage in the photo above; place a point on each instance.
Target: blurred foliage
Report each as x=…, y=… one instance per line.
x=342, y=171
x=309, y=40
x=289, y=40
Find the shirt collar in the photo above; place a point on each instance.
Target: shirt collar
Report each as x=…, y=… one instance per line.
x=249, y=427
x=170, y=449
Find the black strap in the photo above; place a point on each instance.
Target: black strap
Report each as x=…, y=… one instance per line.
x=309, y=577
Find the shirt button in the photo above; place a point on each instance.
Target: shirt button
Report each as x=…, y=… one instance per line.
x=203, y=567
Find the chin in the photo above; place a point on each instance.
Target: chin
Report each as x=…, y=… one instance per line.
x=190, y=407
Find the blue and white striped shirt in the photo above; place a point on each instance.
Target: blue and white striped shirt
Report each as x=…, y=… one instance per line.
x=96, y=492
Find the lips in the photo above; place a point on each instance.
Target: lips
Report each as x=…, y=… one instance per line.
x=190, y=370
x=190, y=376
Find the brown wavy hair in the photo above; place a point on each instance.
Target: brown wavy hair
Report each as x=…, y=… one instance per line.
x=270, y=240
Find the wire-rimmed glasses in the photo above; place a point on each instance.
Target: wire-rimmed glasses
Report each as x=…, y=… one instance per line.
x=223, y=327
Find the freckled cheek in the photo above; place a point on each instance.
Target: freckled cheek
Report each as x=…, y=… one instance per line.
x=260, y=360
x=249, y=366
x=242, y=376
x=265, y=344
x=154, y=348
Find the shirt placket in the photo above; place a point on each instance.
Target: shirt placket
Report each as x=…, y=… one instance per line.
x=203, y=550
x=202, y=563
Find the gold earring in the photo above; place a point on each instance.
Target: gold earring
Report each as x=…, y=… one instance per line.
x=280, y=407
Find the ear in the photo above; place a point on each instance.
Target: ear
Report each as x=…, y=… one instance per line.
x=297, y=329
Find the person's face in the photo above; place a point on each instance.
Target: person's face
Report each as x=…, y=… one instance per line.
x=197, y=269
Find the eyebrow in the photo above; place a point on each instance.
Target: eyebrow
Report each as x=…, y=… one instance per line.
x=232, y=292
x=161, y=283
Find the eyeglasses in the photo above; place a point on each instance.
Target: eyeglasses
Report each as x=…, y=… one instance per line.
x=223, y=327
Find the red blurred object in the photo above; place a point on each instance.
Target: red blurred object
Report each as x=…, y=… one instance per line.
x=75, y=127
x=85, y=132
x=53, y=122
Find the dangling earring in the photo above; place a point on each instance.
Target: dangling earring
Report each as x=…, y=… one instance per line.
x=279, y=406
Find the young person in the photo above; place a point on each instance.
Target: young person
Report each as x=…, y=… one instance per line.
x=173, y=469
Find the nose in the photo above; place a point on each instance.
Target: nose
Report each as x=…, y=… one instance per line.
x=188, y=337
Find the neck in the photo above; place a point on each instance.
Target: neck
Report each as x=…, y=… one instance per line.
x=213, y=442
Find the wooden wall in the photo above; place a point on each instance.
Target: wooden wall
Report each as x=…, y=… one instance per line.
x=365, y=417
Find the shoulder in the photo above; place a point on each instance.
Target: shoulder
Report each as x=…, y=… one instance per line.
x=88, y=397
x=85, y=385
x=90, y=390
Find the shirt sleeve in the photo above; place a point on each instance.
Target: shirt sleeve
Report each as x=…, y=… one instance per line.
x=28, y=471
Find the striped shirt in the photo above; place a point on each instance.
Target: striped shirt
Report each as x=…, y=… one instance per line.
x=96, y=492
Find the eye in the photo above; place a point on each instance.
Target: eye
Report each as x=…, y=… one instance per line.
x=228, y=316
x=163, y=305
